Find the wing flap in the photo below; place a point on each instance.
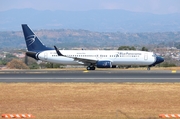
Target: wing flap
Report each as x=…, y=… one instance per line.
x=86, y=61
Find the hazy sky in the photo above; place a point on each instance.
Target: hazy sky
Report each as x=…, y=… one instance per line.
x=151, y=6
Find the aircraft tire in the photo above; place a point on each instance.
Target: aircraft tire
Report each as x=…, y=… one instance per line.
x=93, y=68
x=90, y=68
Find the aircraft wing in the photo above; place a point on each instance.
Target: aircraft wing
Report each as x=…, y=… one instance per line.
x=85, y=61
x=80, y=60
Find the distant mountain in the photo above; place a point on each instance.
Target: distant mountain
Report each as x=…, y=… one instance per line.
x=94, y=20
x=67, y=38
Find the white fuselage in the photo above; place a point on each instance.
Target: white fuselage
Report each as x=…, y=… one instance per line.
x=117, y=57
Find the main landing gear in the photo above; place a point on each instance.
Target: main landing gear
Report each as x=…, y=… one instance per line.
x=91, y=67
x=148, y=68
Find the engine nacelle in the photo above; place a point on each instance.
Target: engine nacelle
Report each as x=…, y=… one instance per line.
x=103, y=64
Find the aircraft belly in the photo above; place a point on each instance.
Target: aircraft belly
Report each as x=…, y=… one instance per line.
x=62, y=60
x=131, y=62
x=67, y=62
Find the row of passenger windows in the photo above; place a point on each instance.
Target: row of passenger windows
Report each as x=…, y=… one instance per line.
x=99, y=56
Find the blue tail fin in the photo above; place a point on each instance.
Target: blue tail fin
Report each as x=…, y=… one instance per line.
x=32, y=41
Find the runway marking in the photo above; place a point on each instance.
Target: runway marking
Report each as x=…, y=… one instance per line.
x=173, y=71
x=85, y=71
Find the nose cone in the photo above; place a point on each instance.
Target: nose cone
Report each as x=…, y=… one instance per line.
x=159, y=59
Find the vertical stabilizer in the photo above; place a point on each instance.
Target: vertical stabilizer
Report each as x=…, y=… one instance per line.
x=32, y=41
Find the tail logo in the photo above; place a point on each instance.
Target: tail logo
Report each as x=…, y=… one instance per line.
x=31, y=39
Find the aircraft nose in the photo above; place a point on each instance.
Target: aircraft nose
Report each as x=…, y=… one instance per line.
x=159, y=59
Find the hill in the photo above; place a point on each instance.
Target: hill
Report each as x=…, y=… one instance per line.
x=68, y=38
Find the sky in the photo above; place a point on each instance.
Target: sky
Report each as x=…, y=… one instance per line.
x=149, y=6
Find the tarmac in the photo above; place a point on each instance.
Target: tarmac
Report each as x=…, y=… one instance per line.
x=83, y=76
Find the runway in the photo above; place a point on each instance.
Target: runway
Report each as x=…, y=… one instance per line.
x=98, y=76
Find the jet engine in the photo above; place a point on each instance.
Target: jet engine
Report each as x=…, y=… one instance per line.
x=103, y=64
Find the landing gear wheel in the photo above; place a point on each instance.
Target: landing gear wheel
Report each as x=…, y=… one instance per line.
x=93, y=68
x=148, y=68
x=90, y=68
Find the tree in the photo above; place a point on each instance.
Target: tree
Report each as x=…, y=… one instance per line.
x=144, y=49
x=53, y=65
x=17, y=64
x=6, y=59
x=32, y=63
x=126, y=48
x=34, y=66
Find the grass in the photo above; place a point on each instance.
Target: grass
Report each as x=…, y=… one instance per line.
x=90, y=100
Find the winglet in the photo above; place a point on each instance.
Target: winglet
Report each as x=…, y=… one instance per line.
x=57, y=51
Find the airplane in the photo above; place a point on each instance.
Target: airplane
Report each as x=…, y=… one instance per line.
x=91, y=58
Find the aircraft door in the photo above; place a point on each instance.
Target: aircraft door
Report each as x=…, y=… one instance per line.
x=98, y=55
x=46, y=55
x=116, y=56
x=145, y=56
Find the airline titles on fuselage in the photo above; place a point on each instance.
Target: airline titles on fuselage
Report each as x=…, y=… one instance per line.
x=83, y=54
